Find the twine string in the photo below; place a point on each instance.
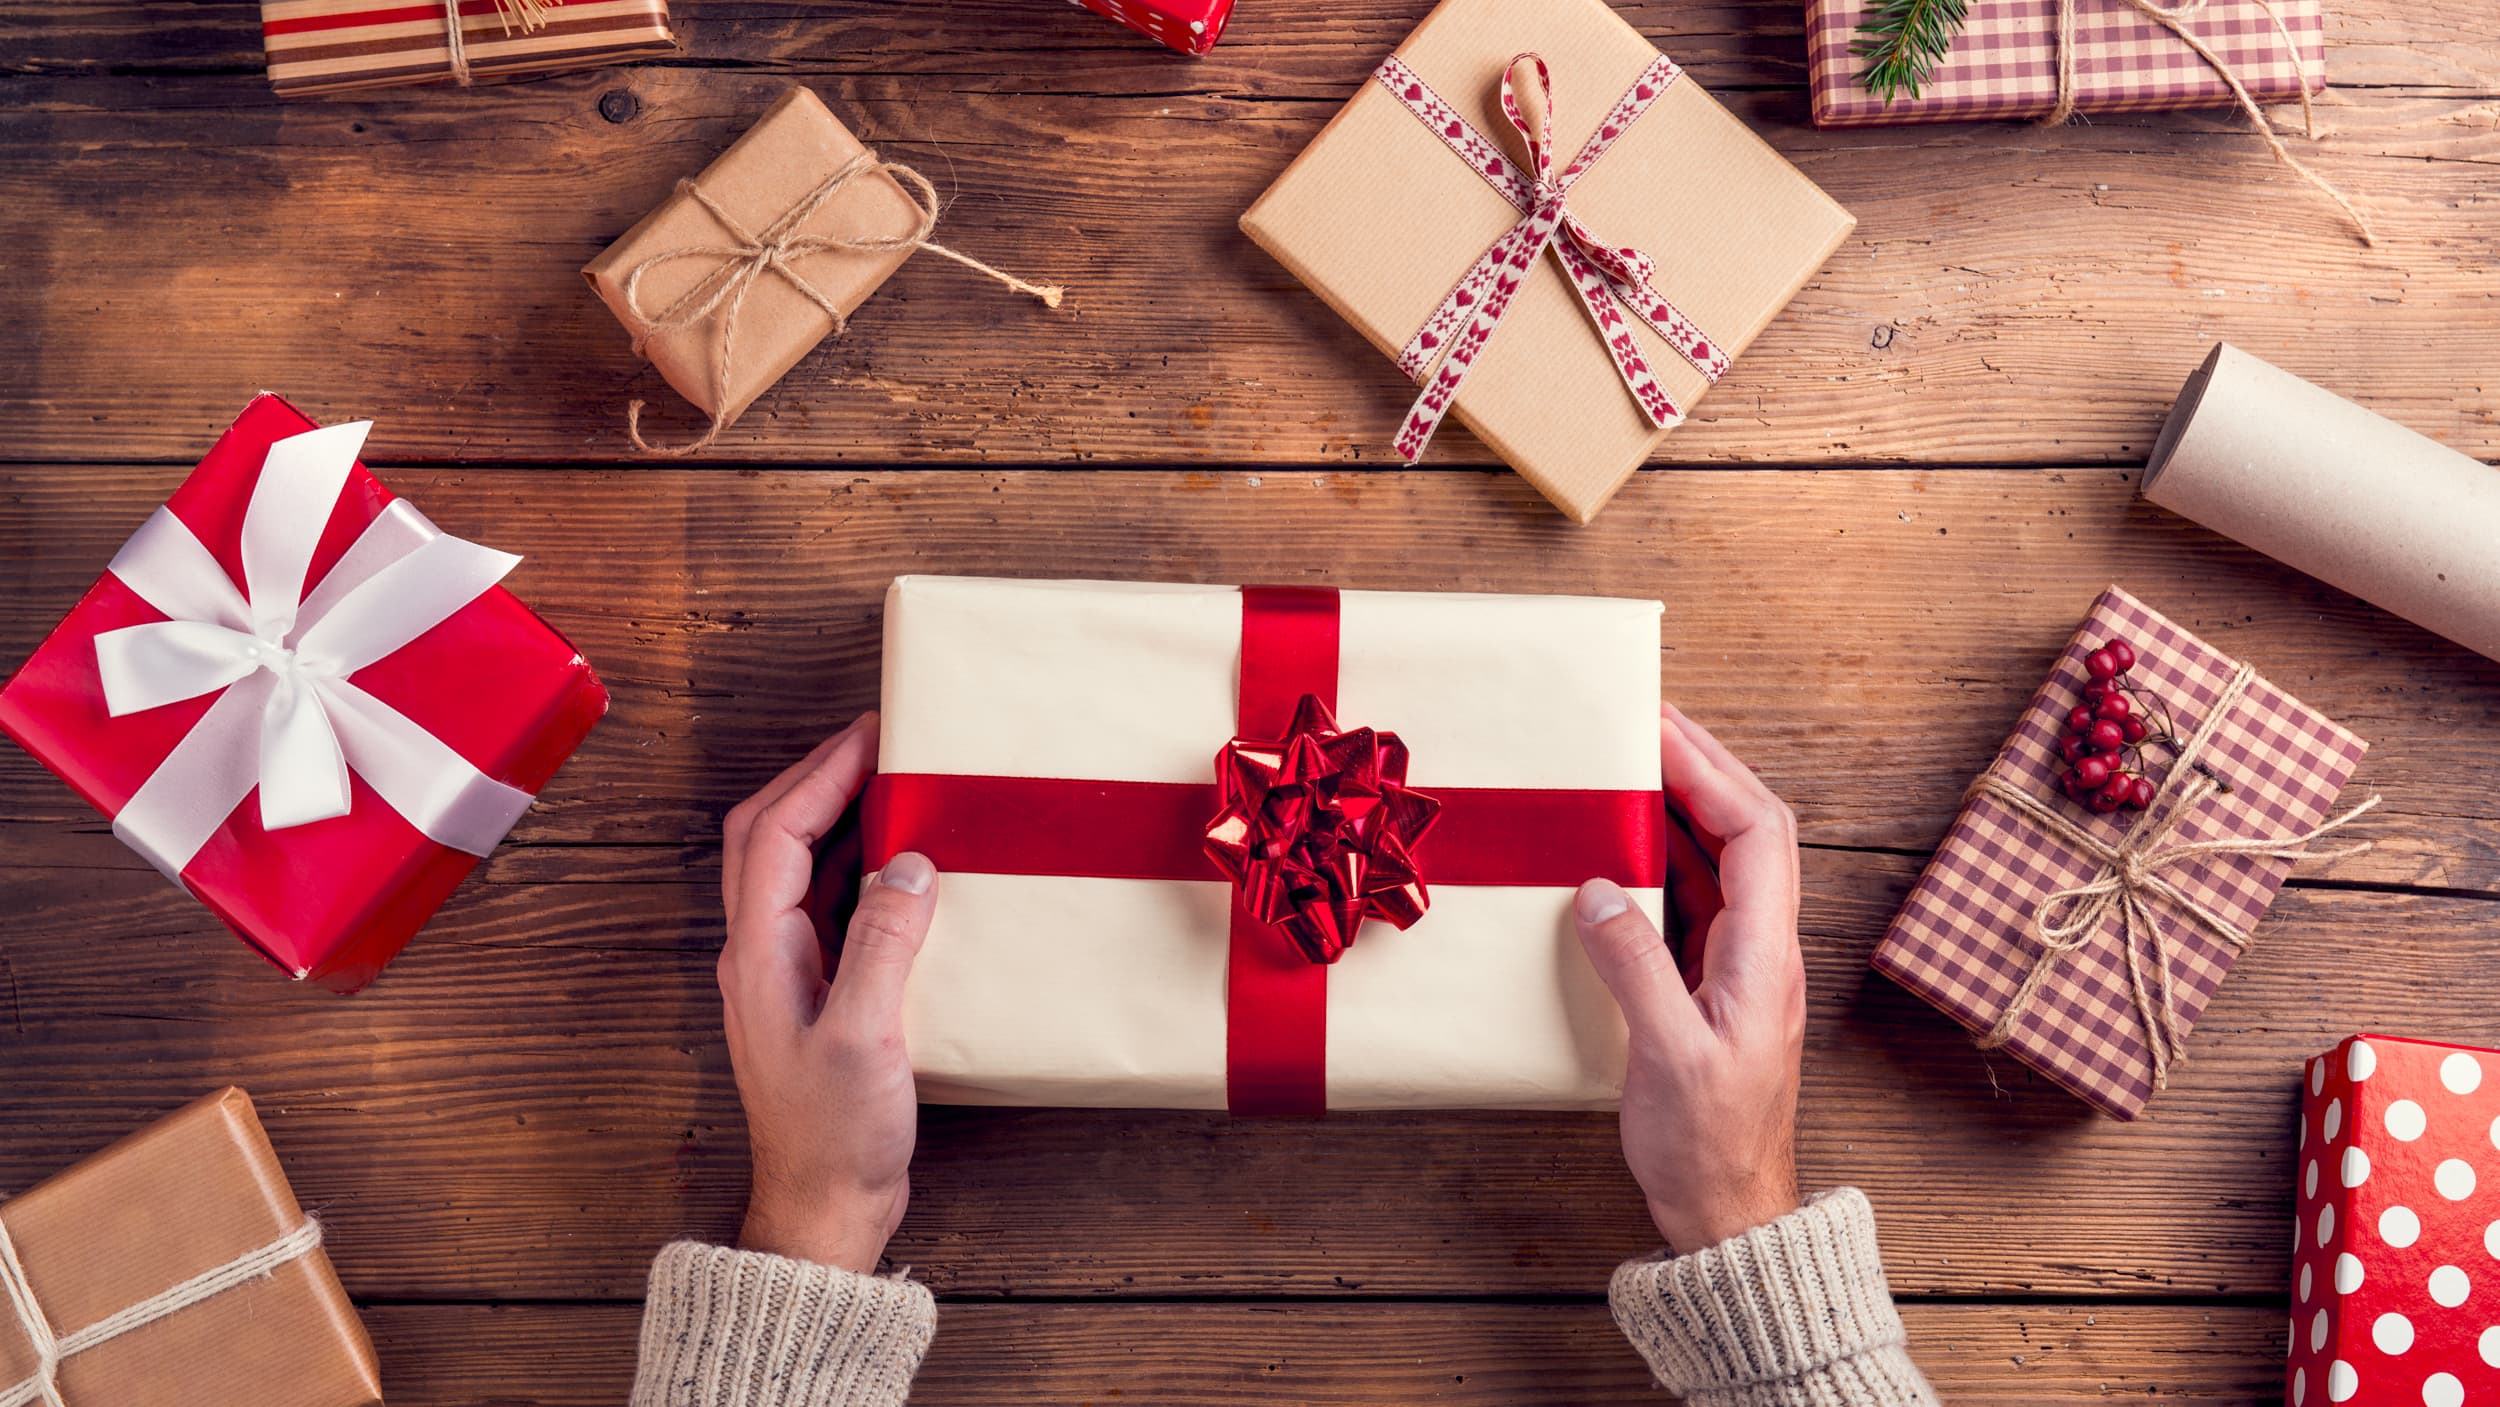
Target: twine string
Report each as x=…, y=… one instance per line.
x=2174, y=18
x=2132, y=880
x=745, y=260
x=53, y=1349
x=531, y=15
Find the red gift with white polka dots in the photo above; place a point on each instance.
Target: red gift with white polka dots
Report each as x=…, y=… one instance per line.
x=2396, y=1251
x=1191, y=26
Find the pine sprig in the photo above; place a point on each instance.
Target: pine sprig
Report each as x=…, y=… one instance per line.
x=1903, y=41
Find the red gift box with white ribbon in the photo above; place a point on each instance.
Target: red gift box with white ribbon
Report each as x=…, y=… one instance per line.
x=302, y=701
x=2396, y=1250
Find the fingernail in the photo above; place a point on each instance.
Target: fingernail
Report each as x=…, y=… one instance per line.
x=909, y=872
x=1600, y=900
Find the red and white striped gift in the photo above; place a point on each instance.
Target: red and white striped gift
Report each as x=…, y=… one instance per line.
x=332, y=46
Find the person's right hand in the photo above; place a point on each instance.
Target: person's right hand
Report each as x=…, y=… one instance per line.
x=1710, y=1094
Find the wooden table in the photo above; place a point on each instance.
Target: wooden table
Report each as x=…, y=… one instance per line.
x=1871, y=539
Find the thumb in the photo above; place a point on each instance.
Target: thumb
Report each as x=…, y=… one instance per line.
x=885, y=935
x=1631, y=959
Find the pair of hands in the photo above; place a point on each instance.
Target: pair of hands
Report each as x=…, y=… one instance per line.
x=1709, y=1097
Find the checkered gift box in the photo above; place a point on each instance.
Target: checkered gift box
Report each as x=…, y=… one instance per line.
x=2004, y=63
x=1967, y=937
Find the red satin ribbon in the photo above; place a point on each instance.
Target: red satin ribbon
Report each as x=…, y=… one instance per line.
x=1276, y=1001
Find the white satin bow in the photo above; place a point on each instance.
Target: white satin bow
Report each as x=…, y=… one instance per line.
x=288, y=720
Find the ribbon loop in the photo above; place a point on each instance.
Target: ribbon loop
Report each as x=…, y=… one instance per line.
x=1319, y=831
x=286, y=720
x=1609, y=279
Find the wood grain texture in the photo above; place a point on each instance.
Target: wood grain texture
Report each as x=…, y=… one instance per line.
x=536, y=1096
x=2011, y=296
x=1350, y=1356
x=1866, y=640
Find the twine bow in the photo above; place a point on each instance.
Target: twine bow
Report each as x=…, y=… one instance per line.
x=53, y=1349
x=1610, y=279
x=531, y=15
x=2132, y=880
x=2174, y=18
x=750, y=256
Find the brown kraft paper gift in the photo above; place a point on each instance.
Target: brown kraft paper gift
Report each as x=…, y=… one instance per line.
x=1381, y=218
x=196, y=1191
x=793, y=147
x=1971, y=934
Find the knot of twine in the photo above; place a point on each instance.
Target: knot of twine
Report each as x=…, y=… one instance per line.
x=2174, y=18
x=2131, y=879
x=740, y=264
x=51, y=1350
x=530, y=14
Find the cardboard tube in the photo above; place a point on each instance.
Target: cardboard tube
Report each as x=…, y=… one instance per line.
x=2352, y=498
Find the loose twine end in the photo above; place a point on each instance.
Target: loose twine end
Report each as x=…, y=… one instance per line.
x=2172, y=18
x=739, y=265
x=2131, y=881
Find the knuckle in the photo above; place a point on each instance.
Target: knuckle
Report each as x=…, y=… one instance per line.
x=885, y=929
x=1784, y=818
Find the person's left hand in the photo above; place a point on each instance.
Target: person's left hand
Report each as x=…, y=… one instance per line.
x=831, y=1113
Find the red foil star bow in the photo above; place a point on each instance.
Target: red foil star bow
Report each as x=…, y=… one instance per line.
x=1319, y=830
x=1611, y=280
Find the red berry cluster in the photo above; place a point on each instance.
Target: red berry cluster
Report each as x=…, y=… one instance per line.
x=2107, y=733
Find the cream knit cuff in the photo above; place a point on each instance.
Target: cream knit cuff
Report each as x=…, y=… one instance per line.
x=1793, y=1314
x=727, y=1328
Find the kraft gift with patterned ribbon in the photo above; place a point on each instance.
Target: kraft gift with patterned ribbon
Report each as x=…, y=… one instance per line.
x=1552, y=230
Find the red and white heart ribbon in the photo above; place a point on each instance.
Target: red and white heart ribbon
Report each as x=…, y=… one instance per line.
x=1610, y=279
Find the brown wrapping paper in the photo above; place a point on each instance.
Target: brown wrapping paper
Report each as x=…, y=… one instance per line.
x=188, y=1193
x=2352, y=498
x=790, y=150
x=1380, y=219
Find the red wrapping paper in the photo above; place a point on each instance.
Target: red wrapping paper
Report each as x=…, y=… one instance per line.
x=1189, y=26
x=2395, y=1285
x=333, y=901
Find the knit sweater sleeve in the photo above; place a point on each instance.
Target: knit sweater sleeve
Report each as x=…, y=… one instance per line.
x=1793, y=1314
x=728, y=1328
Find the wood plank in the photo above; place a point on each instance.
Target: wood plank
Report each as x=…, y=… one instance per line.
x=2012, y=296
x=1865, y=640
x=1341, y=1356
x=1729, y=44
x=536, y=1097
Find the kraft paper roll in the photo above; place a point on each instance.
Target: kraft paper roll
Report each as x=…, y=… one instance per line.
x=2352, y=498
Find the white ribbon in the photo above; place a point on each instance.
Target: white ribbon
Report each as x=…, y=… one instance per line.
x=287, y=719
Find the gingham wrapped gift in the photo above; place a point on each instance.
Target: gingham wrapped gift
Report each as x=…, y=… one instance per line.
x=2085, y=943
x=2004, y=63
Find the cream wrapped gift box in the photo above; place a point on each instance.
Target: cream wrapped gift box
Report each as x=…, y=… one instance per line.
x=1090, y=763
